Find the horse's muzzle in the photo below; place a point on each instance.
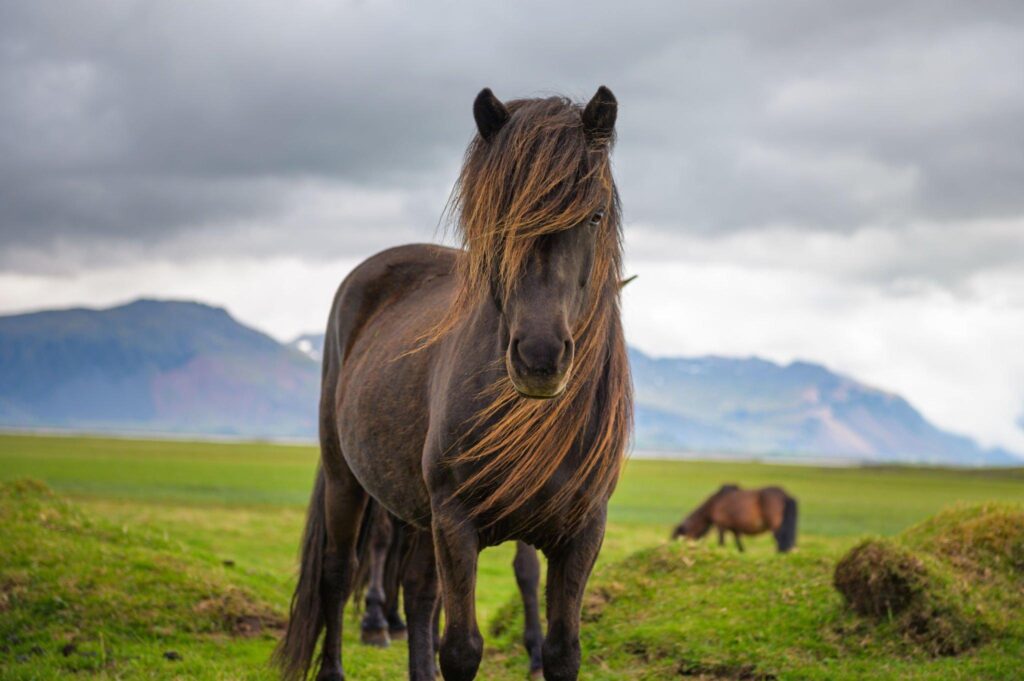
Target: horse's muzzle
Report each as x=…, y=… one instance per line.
x=539, y=370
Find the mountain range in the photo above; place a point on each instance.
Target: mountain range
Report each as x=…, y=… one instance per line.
x=153, y=366
x=188, y=368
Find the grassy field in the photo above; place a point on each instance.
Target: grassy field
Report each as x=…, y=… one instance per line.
x=182, y=546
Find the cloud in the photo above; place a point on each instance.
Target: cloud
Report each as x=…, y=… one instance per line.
x=835, y=179
x=955, y=357
x=140, y=124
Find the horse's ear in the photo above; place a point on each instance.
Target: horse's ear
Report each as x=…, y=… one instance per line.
x=490, y=114
x=599, y=115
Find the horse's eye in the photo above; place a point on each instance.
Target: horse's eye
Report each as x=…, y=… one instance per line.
x=595, y=219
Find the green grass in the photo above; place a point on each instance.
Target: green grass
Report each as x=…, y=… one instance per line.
x=194, y=505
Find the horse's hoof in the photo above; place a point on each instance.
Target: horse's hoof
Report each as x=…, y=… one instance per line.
x=397, y=634
x=378, y=638
x=330, y=674
x=536, y=675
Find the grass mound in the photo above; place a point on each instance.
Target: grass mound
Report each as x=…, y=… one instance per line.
x=947, y=583
x=78, y=594
x=883, y=580
x=987, y=540
x=878, y=578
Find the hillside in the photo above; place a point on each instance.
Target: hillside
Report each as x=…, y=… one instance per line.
x=156, y=366
x=182, y=367
x=148, y=547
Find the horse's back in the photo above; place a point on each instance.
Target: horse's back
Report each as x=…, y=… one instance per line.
x=383, y=280
x=739, y=509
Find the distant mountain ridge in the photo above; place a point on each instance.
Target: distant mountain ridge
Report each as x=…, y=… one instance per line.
x=309, y=344
x=184, y=367
x=752, y=406
x=156, y=366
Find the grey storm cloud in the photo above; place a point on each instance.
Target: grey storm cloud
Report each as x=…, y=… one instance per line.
x=167, y=126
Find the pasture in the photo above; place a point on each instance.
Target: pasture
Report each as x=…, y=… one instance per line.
x=190, y=548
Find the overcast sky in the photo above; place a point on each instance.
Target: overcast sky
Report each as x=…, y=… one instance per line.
x=841, y=182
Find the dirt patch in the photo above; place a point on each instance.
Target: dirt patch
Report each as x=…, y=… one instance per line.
x=13, y=585
x=596, y=599
x=740, y=672
x=238, y=614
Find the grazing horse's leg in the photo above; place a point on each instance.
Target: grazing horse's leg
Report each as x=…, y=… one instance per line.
x=344, y=502
x=527, y=568
x=375, y=625
x=739, y=544
x=420, y=585
x=458, y=548
x=569, y=566
x=721, y=536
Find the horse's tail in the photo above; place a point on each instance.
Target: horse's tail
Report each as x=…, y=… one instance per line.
x=785, y=536
x=294, y=653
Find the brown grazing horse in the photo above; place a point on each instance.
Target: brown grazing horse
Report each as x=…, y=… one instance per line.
x=744, y=511
x=480, y=394
x=379, y=581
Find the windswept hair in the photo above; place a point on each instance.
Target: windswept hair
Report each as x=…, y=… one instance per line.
x=542, y=173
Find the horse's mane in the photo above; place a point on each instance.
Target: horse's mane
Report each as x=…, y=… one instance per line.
x=710, y=501
x=542, y=174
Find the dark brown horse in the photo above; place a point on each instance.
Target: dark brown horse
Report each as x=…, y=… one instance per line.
x=480, y=395
x=379, y=583
x=744, y=511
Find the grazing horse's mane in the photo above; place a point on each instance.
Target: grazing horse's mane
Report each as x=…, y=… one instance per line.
x=705, y=507
x=542, y=173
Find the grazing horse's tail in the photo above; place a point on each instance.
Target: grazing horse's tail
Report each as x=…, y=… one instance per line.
x=294, y=653
x=785, y=536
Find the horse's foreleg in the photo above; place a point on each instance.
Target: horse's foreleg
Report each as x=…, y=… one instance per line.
x=344, y=503
x=375, y=624
x=458, y=548
x=527, y=569
x=569, y=567
x=721, y=536
x=419, y=582
x=739, y=544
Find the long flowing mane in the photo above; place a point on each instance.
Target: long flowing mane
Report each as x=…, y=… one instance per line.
x=540, y=175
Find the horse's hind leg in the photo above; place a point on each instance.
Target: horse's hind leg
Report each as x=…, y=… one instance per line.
x=721, y=536
x=420, y=585
x=739, y=544
x=527, y=569
x=344, y=503
x=393, y=580
x=374, y=627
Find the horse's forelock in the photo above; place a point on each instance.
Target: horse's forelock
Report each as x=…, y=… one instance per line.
x=538, y=175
